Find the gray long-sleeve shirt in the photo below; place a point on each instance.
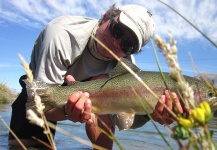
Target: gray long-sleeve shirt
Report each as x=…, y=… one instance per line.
x=62, y=48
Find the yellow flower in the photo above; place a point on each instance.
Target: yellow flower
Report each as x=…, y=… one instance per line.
x=207, y=110
x=186, y=123
x=200, y=115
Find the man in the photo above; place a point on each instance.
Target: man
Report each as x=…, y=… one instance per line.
x=64, y=52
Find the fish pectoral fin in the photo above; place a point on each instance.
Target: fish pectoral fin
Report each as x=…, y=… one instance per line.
x=124, y=120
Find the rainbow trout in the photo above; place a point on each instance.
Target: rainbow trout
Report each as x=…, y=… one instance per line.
x=114, y=95
x=117, y=93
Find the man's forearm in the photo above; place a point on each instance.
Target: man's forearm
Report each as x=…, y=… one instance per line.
x=55, y=114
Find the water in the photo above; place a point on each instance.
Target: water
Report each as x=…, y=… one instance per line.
x=145, y=137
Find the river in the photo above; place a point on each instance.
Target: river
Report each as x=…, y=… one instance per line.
x=146, y=137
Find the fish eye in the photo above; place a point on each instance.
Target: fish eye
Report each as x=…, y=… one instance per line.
x=210, y=94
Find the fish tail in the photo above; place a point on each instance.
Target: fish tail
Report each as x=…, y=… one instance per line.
x=37, y=88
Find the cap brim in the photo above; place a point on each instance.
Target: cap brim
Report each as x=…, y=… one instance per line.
x=132, y=25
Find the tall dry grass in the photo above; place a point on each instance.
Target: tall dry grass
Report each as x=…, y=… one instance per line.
x=6, y=94
x=193, y=138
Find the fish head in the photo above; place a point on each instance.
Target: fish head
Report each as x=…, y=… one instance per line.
x=212, y=99
x=209, y=88
x=213, y=105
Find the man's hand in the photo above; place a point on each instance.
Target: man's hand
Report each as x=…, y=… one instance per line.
x=161, y=114
x=78, y=106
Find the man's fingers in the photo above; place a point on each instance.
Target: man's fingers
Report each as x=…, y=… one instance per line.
x=79, y=108
x=87, y=111
x=158, y=110
x=177, y=103
x=168, y=100
x=161, y=114
x=72, y=102
x=160, y=107
x=70, y=78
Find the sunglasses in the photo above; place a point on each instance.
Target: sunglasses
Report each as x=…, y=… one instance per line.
x=117, y=31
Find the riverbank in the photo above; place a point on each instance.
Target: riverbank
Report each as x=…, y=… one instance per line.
x=6, y=94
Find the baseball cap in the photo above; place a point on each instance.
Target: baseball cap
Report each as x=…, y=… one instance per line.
x=139, y=20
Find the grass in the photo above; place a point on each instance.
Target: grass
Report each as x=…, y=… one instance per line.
x=193, y=128
x=6, y=95
x=202, y=139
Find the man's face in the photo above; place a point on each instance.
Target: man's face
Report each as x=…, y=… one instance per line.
x=117, y=37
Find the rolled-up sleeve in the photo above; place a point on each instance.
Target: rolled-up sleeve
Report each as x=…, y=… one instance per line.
x=57, y=47
x=52, y=55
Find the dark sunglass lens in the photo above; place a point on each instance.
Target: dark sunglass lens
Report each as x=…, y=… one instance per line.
x=117, y=32
x=127, y=47
x=115, y=28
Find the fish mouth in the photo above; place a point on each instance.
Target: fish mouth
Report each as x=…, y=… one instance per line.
x=213, y=105
x=213, y=102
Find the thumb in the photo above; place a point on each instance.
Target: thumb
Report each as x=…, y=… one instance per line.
x=69, y=79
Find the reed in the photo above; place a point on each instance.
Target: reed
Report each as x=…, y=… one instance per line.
x=193, y=128
x=6, y=95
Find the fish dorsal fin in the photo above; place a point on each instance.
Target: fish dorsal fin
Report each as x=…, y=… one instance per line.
x=173, y=77
x=124, y=120
x=119, y=69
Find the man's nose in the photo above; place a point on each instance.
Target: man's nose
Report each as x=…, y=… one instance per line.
x=117, y=47
x=116, y=42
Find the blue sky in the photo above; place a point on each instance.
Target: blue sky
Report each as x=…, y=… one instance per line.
x=21, y=22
